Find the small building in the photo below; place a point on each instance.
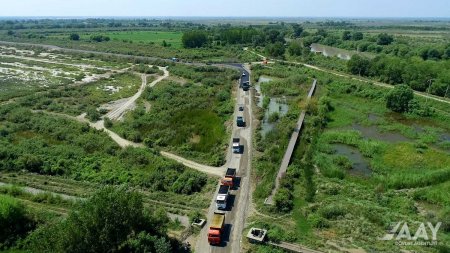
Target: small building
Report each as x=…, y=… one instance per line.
x=257, y=235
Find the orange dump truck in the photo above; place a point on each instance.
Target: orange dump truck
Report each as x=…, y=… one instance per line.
x=229, y=177
x=216, y=228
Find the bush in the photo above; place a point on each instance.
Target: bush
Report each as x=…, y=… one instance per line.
x=284, y=200
x=13, y=221
x=333, y=211
x=108, y=122
x=398, y=99
x=74, y=36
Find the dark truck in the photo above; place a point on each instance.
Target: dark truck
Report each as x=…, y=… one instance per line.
x=246, y=86
x=236, y=146
x=240, y=121
x=229, y=178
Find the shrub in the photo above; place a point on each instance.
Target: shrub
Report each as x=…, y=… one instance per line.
x=74, y=36
x=333, y=211
x=284, y=200
x=398, y=99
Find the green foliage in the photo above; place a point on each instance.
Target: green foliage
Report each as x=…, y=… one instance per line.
x=74, y=36
x=188, y=119
x=194, y=39
x=274, y=117
x=108, y=122
x=384, y=39
x=358, y=65
x=146, y=69
x=398, y=99
x=93, y=114
x=276, y=49
x=51, y=145
x=295, y=48
x=99, y=38
x=14, y=222
x=113, y=219
x=189, y=182
x=284, y=200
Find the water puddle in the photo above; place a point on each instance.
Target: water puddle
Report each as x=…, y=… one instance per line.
x=360, y=167
x=276, y=105
x=372, y=132
x=332, y=51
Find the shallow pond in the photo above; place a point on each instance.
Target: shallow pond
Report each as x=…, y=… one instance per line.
x=360, y=166
x=372, y=132
x=276, y=105
x=332, y=51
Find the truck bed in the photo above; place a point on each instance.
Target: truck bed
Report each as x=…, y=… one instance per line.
x=223, y=189
x=231, y=172
x=217, y=220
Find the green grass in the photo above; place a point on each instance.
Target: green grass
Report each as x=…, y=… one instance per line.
x=157, y=37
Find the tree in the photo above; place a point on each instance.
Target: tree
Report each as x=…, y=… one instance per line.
x=108, y=122
x=298, y=30
x=384, y=39
x=74, y=36
x=346, y=35
x=398, y=99
x=295, y=48
x=357, y=36
x=112, y=220
x=93, y=114
x=275, y=50
x=194, y=39
x=358, y=65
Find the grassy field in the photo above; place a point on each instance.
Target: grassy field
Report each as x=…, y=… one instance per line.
x=157, y=37
x=188, y=114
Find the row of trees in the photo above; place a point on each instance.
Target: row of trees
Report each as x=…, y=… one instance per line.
x=420, y=75
x=232, y=36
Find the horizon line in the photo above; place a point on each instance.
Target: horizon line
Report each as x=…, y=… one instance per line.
x=223, y=17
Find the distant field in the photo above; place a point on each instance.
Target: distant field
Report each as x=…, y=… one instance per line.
x=173, y=38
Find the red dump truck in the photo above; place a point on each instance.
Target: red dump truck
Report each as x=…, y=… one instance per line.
x=229, y=177
x=216, y=228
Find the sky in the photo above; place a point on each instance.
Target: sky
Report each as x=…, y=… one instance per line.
x=228, y=8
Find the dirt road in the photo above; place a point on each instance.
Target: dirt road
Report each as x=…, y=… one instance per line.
x=215, y=171
x=239, y=200
x=128, y=104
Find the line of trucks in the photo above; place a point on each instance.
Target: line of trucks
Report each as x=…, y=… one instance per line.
x=218, y=221
x=227, y=183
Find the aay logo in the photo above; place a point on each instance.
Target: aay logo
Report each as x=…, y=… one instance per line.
x=403, y=233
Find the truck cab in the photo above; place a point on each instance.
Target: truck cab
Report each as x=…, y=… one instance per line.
x=229, y=178
x=240, y=121
x=222, y=197
x=236, y=146
x=246, y=86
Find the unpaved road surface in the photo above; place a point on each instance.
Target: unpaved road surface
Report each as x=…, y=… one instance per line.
x=128, y=104
x=238, y=202
x=215, y=171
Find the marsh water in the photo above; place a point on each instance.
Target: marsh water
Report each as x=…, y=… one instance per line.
x=276, y=105
x=332, y=51
x=360, y=166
